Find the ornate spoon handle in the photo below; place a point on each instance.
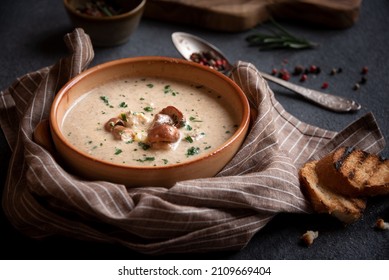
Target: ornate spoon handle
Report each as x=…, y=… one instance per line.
x=329, y=101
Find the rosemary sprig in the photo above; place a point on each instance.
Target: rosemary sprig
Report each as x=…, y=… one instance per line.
x=279, y=39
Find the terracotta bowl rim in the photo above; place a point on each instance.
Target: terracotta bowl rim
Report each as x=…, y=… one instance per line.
x=105, y=19
x=242, y=128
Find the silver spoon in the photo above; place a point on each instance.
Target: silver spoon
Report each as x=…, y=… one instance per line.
x=187, y=44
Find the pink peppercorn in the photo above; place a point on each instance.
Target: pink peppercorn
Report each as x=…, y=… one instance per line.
x=313, y=69
x=285, y=76
x=303, y=77
x=324, y=85
x=365, y=70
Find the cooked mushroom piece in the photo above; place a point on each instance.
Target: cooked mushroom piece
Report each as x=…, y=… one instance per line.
x=162, y=119
x=175, y=114
x=111, y=123
x=163, y=133
x=122, y=133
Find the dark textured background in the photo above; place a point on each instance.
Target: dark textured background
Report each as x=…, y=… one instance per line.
x=31, y=38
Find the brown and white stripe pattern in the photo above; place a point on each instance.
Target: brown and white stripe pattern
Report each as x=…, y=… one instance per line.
x=213, y=214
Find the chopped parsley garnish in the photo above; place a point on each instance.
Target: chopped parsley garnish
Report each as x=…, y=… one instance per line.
x=192, y=151
x=150, y=85
x=167, y=89
x=188, y=127
x=189, y=139
x=144, y=146
x=118, y=151
x=106, y=101
x=148, y=109
x=123, y=105
x=165, y=161
x=193, y=119
x=146, y=159
x=123, y=116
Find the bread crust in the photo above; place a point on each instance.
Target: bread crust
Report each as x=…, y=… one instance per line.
x=354, y=173
x=324, y=200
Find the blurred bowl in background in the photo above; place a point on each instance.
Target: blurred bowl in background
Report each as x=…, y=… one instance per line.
x=106, y=27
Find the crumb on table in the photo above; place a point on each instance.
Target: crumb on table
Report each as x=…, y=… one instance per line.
x=309, y=237
x=381, y=224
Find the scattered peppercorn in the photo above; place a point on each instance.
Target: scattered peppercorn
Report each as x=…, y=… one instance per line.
x=356, y=86
x=313, y=69
x=335, y=71
x=211, y=59
x=363, y=80
x=285, y=76
x=298, y=70
x=304, y=72
x=364, y=70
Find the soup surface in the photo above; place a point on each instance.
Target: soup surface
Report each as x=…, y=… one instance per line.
x=133, y=106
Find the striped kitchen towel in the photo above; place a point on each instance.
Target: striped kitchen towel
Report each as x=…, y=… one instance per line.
x=41, y=198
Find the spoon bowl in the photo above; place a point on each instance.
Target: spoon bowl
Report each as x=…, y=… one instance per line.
x=188, y=44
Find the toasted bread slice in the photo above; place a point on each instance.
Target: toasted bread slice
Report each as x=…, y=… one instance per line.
x=354, y=172
x=324, y=200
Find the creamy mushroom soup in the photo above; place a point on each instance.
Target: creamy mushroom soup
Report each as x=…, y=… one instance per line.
x=148, y=122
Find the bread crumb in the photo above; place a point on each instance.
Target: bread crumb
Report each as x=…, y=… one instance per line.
x=309, y=237
x=381, y=224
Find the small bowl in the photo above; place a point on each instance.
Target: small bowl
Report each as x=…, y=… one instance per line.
x=206, y=165
x=107, y=31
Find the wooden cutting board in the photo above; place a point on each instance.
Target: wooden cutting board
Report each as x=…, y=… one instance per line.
x=240, y=15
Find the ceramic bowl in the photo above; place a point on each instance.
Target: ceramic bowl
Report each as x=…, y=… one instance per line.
x=206, y=165
x=107, y=30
